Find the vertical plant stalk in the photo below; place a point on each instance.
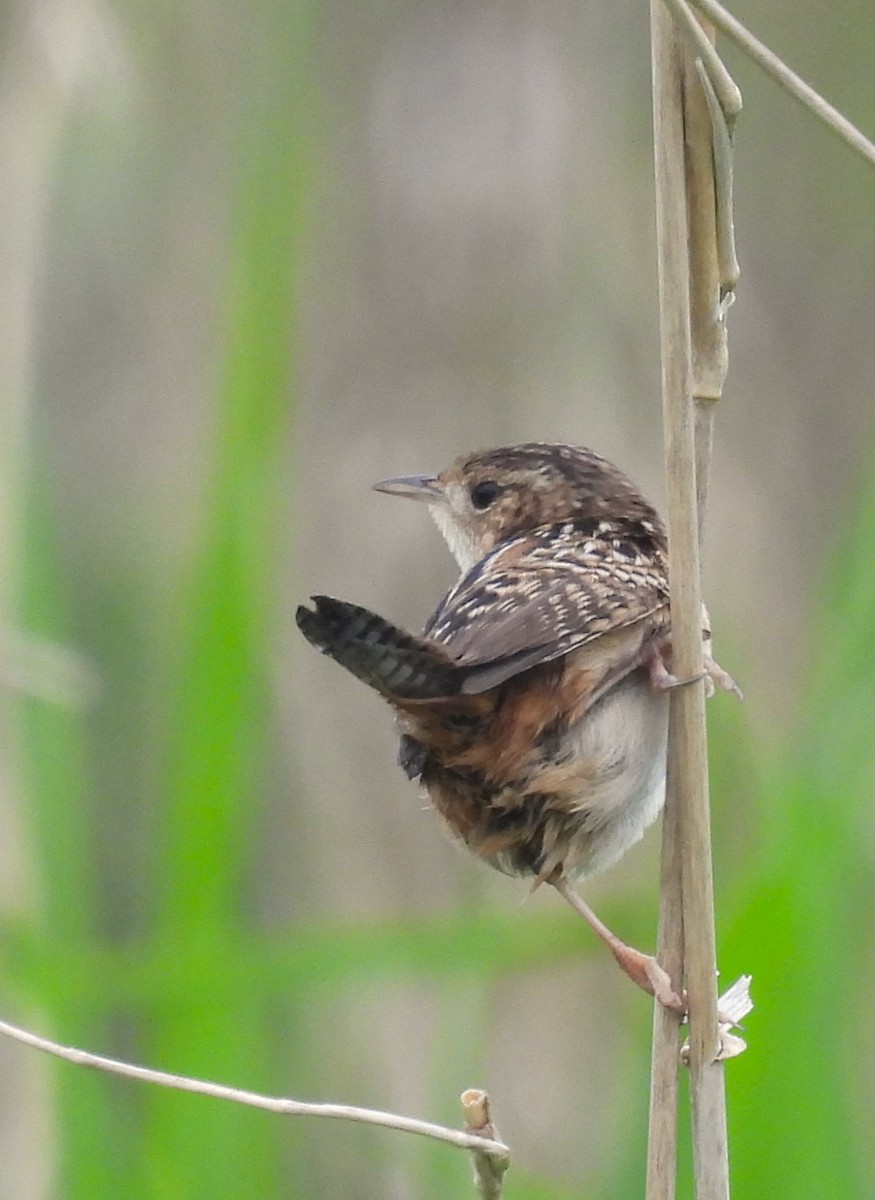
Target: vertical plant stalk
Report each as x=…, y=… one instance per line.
x=709, y=347
x=665, y=1056
x=687, y=908
x=675, y=335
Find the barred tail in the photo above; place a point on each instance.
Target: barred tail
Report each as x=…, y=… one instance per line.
x=380, y=654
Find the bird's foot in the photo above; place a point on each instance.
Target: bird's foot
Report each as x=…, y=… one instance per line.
x=644, y=970
x=718, y=678
x=664, y=680
x=661, y=678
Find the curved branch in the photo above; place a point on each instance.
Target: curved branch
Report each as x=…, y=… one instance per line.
x=788, y=80
x=490, y=1147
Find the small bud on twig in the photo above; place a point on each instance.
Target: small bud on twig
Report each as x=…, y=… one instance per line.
x=488, y=1168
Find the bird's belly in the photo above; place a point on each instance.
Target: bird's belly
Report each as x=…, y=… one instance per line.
x=623, y=740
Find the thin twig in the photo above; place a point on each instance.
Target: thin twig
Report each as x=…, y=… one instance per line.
x=490, y=1147
x=788, y=79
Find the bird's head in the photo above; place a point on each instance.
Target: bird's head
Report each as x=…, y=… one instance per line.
x=482, y=499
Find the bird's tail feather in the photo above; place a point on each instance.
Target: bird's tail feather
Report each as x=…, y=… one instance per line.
x=383, y=656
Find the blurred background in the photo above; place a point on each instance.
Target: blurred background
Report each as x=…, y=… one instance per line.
x=254, y=258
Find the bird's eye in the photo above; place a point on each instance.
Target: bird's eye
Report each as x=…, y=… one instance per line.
x=483, y=494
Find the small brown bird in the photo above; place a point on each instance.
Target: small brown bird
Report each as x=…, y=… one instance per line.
x=533, y=708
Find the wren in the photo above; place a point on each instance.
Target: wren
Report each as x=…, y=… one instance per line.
x=533, y=708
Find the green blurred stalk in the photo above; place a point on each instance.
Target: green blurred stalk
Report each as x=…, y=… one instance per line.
x=217, y=774
x=801, y=923
x=65, y=835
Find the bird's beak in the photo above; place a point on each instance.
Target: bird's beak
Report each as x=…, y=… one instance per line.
x=414, y=487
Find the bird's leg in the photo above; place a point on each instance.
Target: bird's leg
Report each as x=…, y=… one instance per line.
x=663, y=680
x=642, y=969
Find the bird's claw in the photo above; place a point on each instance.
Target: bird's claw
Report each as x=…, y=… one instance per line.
x=661, y=988
x=661, y=678
x=718, y=678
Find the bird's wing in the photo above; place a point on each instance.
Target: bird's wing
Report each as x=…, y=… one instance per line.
x=549, y=591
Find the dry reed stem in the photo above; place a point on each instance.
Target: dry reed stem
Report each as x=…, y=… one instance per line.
x=665, y=1060
x=695, y=360
x=687, y=870
x=709, y=348
x=665, y=1063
